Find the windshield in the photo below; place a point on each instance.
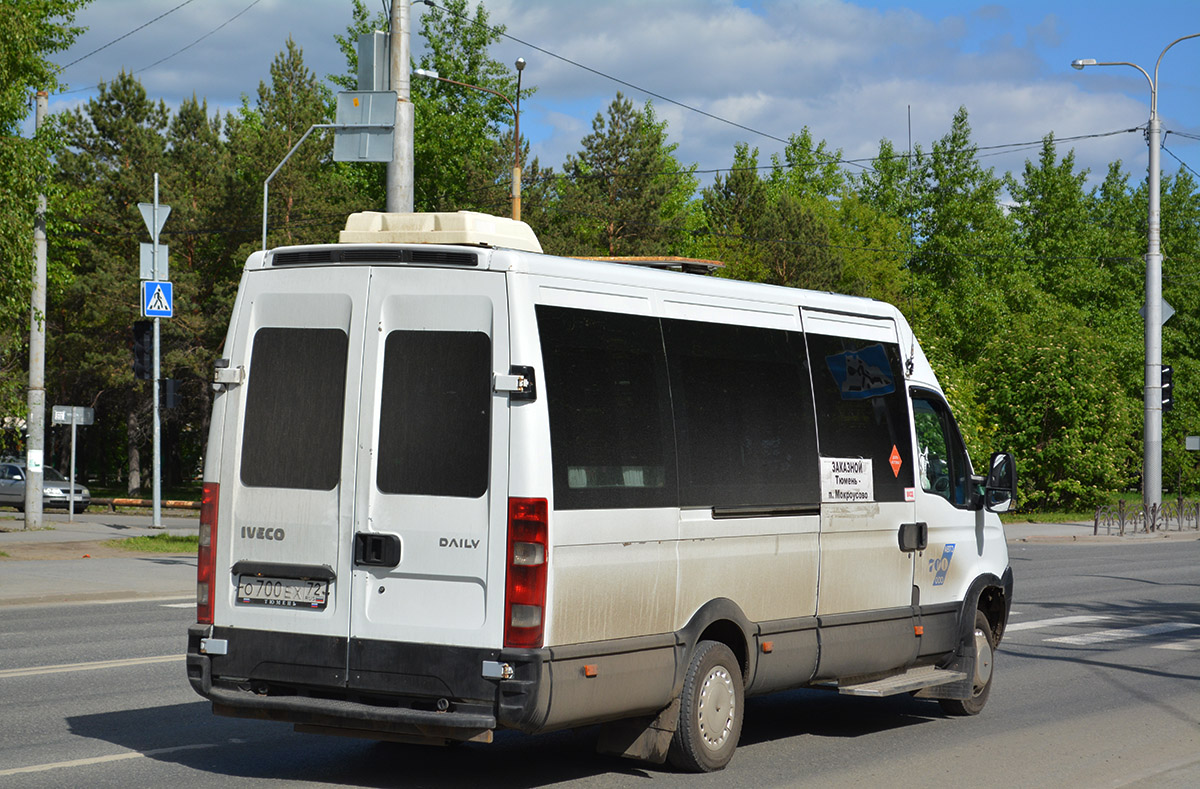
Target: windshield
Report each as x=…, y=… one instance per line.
x=50, y=474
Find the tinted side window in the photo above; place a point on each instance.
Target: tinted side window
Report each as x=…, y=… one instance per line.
x=295, y=395
x=942, y=465
x=611, y=439
x=743, y=415
x=435, y=414
x=862, y=411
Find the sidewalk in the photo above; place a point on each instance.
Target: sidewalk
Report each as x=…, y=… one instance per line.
x=60, y=573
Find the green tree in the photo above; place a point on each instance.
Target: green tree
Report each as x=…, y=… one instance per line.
x=458, y=128
x=309, y=198
x=624, y=193
x=460, y=133
x=115, y=144
x=33, y=31
x=1181, y=272
x=1049, y=392
x=806, y=169
x=203, y=233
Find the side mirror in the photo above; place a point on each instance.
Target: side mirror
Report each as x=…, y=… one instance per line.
x=1000, y=488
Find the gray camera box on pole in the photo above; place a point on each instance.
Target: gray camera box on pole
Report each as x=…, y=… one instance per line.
x=374, y=72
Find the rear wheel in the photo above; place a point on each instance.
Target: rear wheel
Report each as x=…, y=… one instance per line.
x=985, y=646
x=710, y=710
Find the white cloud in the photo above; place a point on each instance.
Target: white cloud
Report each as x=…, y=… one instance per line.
x=848, y=71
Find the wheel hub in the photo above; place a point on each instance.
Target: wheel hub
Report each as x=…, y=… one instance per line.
x=983, y=659
x=716, y=712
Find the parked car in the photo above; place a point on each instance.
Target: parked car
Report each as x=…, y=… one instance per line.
x=56, y=489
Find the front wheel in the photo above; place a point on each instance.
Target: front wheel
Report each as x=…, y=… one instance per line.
x=710, y=710
x=985, y=647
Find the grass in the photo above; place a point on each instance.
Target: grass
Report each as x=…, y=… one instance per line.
x=3, y=555
x=1133, y=499
x=158, y=543
x=188, y=491
x=1048, y=517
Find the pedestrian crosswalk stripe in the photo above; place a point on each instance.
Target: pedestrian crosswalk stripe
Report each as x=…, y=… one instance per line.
x=1186, y=645
x=1120, y=634
x=1058, y=620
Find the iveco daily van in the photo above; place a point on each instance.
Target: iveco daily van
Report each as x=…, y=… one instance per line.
x=455, y=485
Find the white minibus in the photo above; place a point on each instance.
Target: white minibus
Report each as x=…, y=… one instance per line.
x=455, y=485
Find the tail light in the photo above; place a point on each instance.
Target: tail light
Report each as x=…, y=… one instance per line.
x=525, y=590
x=206, y=558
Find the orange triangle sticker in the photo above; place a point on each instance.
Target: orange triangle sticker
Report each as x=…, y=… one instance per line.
x=895, y=461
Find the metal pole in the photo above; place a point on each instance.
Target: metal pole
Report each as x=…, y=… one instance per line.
x=36, y=420
x=400, y=169
x=156, y=375
x=1152, y=472
x=71, y=490
x=1152, y=391
x=516, y=188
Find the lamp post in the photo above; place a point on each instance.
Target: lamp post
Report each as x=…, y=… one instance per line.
x=516, y=187
x=1152, y=393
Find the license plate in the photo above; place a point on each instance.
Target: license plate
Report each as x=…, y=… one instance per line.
x=282, y=592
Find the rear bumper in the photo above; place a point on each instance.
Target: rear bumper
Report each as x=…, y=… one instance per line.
x=398, y=689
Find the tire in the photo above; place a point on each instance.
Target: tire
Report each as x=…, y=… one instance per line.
x=710, y=710
x=985, y=649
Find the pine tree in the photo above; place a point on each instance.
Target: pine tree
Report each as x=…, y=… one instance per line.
x=624, y=193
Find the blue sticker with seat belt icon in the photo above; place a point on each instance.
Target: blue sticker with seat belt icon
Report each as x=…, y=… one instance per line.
x=940, y=566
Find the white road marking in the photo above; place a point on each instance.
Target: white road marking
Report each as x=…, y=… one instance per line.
x=1104, y=636
x=63, y=668
x=116, y=757
x=1037, y=624
x=1186, y=645
x=178, y=605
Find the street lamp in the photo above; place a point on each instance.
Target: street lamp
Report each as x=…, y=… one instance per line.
x=1152, y=394
x=516, y=187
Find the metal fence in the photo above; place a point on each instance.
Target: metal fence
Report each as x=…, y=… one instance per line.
x=1121, y=518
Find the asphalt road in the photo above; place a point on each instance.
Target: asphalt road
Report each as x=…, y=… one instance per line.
x=1098, y=684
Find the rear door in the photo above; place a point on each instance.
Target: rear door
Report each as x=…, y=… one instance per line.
x=432, y=436
x=287, y=477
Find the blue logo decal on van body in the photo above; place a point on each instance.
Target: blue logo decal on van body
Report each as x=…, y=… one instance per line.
x=939, y=567
x=863, y=373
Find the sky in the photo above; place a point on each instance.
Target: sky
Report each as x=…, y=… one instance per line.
x=852, y=72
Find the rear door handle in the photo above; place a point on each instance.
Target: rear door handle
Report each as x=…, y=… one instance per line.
x=376, y=550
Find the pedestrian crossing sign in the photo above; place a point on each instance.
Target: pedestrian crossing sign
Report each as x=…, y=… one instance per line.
x=157, y=299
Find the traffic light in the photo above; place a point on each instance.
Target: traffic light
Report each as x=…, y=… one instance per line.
x=170, y=392
x=143, y=349
x=1168, y=390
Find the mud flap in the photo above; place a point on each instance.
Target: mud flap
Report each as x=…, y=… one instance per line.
x=644, y=738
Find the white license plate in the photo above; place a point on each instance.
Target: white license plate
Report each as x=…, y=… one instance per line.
x=282, y=592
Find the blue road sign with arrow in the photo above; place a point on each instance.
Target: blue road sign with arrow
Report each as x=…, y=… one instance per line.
x=157, y=299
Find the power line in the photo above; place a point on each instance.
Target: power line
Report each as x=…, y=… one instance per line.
x=1187, y=166
x=127, y=35
x=640, y=89
x=176, y=52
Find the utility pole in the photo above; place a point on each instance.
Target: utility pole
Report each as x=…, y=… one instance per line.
x=155, y=376
x=400, y=169
x=36, y=420
x=1152, y=392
